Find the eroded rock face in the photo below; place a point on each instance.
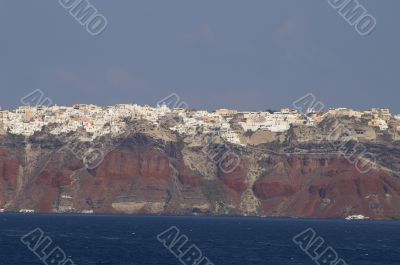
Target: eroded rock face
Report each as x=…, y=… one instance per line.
x=9, y=176
x=145, y=175
x=328, y=188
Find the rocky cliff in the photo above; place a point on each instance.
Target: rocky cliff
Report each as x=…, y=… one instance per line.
x=151, y=170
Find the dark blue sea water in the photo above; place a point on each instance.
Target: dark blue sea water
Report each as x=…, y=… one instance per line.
x=130, y=240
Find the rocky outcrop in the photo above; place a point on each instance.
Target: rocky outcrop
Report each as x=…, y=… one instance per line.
x=143, y=173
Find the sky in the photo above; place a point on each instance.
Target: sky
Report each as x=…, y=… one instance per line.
x=246, y=55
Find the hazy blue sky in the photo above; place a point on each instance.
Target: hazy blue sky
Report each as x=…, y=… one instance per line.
x=253, y=54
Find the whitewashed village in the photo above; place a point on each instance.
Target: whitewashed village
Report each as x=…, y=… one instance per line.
x=27, y=120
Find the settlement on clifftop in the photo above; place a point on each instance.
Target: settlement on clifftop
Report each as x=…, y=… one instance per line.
x=229, y=124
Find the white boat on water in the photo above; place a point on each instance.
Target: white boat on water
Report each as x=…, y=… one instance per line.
x=357, y=217
x=26, y=211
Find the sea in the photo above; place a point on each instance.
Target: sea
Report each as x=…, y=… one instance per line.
x=129, y=240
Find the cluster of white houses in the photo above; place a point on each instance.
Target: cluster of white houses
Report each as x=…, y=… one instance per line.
x=98, y=120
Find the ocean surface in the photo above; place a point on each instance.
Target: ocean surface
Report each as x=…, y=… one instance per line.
x=123, y=240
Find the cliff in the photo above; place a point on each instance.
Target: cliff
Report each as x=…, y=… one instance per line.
x=151, y=170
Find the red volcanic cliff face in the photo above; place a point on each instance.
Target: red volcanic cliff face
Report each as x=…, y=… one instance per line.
x=9, y=172
x=155, y=179
x=315, y=187
x=237, y=179
x=269, y=190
